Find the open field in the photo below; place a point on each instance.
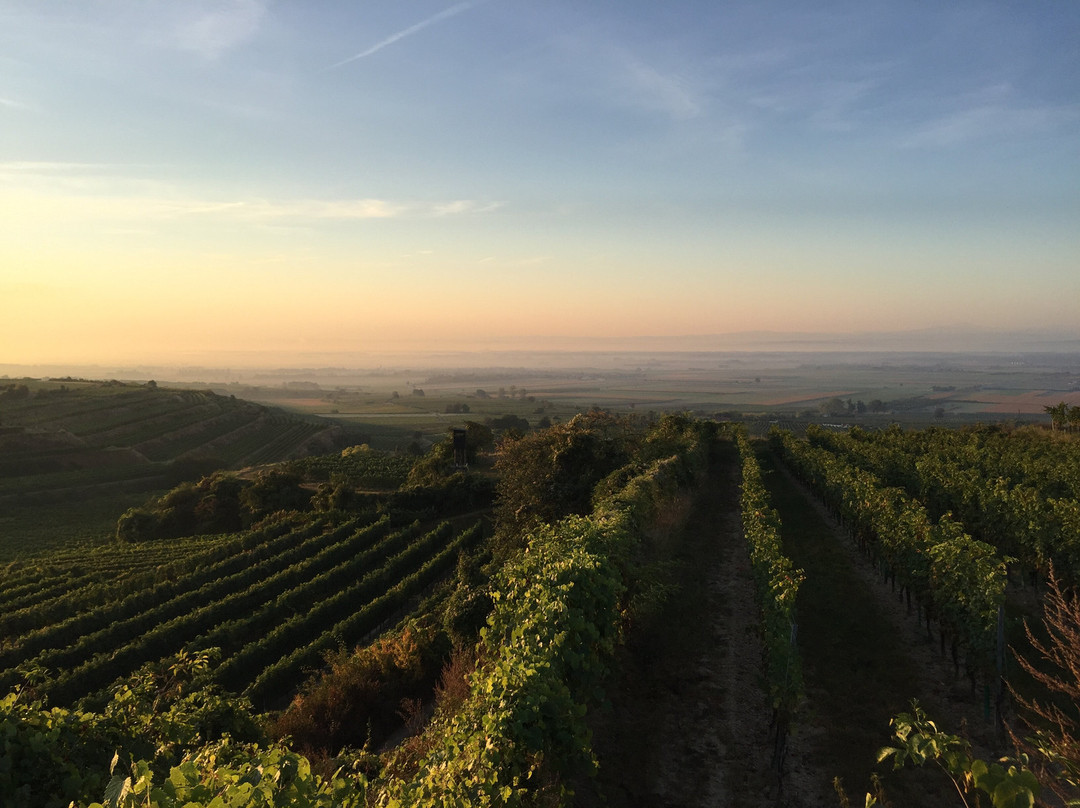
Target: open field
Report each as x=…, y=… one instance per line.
x=912, y=388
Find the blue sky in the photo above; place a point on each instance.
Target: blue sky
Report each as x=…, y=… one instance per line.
x=346, y=176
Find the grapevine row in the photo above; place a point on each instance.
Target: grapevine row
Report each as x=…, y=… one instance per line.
x=282, y=675
x=777, y=583
x=104, y=616
x=956, y=579
x=1028, y=515
x=386, y=563
x=168, y=636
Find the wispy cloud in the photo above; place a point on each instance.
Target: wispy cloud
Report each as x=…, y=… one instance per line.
x=32, y=191
x=665, y=92
x=461, y=206
x=220, y=27
x=45, y=167
x=11, y=103
x=330, y=210
x=630, y=76
x=991, y=120
x=445, y=14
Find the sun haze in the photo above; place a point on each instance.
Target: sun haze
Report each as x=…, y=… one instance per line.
x=187, y=178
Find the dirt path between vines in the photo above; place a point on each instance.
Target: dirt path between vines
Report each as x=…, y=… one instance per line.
x=689, y=722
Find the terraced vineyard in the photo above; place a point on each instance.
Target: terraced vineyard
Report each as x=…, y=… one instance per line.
x=273, y=599
x=74, y=455
x=59, y=438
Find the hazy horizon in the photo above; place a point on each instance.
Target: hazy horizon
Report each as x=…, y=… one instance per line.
x=253, y=178
x=925, y=345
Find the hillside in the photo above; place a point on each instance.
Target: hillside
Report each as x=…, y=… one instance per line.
x=70, y=446
x=763, y=609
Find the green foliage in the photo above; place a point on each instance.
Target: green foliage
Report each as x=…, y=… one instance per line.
x=554, y=626
x=959, y=580
x=356, y=467
x=556, y=611
x=1017, y=489
x=225, y=774
x=437, y=466
x=777, y=582
x=546, y=476
x=49, y=757
x=1008, y=783
x=173, y=706
x=434, y=468
x=159, y=717
x=469, y=604
x=545, y=653
x=274, y=491
x=220, y=503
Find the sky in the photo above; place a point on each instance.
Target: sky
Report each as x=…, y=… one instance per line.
x=180, y=179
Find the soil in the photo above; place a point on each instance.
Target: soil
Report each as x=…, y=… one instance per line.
x=688, y=723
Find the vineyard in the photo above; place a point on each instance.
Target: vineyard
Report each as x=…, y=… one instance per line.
x=303, y=586
x=64, y=437
x=341, y=630
x=75, y=453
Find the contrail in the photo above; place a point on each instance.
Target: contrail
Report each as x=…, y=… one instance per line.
x=412, y=29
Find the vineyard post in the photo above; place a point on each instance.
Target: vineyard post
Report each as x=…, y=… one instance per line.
x=999, y=697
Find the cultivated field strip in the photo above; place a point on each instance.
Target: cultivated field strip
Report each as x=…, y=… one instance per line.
x=275, y=440
x=217, y=591
x=188, y=434
x=78, y=438
x=332, y=571
x=143, y=424
x=68, y=412
x=55, y=484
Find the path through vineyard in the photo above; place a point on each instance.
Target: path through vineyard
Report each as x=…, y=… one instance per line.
x=689, y=723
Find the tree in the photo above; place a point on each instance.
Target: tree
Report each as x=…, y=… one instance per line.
x=509, y=422
x=275, y=491
x=136, y=524
x=833, y=407
x=548, y=475
x=1058, y=413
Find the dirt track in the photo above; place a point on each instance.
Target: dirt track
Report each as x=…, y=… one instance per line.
x=689, y=722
